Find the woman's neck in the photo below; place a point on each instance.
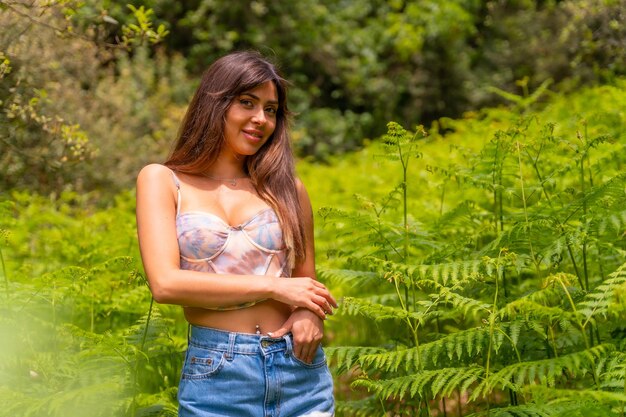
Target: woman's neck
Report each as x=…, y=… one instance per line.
x=227, y=168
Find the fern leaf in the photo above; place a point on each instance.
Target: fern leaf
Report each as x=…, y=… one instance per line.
x=344, y=357
x=597, y=302
x=375, y=311
x=437, y=382
x=547, y=371
x=347, y=277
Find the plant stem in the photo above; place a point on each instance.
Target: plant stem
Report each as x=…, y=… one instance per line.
x=145, y=330
x=571, y=256
x=442, y=198
x=495, y=182
x=584, y=194
x=492, y=324
x=530, y=242
x=574, y=310
x=4, y=273
x=141, y=348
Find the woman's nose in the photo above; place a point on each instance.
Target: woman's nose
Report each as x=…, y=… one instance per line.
x=259, y=117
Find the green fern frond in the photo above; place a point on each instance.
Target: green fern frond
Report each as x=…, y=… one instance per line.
x=449, y=273
x=613, y=188
x=462, y=213
x=353, y=278
x=391, y=360
x=516, y=238
x=375, y=311
x=161, y=404
x=578, y=408
x=597, y=302
x=609, y=222
x=462, y=346
x=526, y=410
x=436, y=382
x=612, y=372
x=582, y=395
x=469, y=306
x=95, y=399
x=344, y=357
x=531, y=309
x=365, y=407
x=454, y=271
x=546, y=371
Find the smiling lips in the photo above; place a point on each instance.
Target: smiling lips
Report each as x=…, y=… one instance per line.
x=253, y=134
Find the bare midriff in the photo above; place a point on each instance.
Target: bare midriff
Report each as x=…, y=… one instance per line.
x=269, y=316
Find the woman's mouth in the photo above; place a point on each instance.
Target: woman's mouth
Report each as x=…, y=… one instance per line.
x=253, y=135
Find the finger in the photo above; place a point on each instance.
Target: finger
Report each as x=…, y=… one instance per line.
x=328, y=309
x=319, y=284
x=311, y=349
x=332, y=300
x=304, y=355
x=318, y=310
x=280, y=332
x=318, y=307
x=329, y=298
x=298, y=350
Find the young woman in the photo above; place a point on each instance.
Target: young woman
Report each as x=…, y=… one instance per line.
x=226, y=231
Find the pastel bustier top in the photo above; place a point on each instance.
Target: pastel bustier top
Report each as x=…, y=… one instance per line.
x=208, y=244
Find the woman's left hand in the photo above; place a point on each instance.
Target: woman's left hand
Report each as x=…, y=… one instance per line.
x=307, y=330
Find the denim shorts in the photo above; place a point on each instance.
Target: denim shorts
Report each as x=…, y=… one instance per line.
x=246, y=375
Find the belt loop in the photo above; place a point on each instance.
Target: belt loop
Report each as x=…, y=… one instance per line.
x=231, y=346
x=289, y=343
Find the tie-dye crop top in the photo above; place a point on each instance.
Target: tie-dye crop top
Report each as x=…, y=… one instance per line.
x=208, y=244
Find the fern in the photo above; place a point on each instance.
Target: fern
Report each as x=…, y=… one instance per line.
x=597, y=302
x=440, y=381
x=464, y=344
x=546, y=372
x=515, y=289
x=345, y=357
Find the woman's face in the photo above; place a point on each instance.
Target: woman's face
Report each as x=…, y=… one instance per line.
x=250, y=120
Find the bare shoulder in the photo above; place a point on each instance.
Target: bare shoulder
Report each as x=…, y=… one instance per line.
x=301, y=189
x=303, y=195
x=155, y=180
x=153, y=172
x=155, y=184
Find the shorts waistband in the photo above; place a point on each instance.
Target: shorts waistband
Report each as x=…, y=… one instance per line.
x=234, y=342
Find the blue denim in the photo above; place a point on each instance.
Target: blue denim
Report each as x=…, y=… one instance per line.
x=240, y=375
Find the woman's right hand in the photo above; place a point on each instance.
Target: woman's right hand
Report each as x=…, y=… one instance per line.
x=305, y=292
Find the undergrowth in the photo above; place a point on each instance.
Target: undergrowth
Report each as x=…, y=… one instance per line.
x=481, y=268
x=500, y=293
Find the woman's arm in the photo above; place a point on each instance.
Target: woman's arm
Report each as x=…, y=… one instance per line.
x=156, y=228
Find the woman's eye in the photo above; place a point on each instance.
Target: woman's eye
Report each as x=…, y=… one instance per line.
x=246, y=102
x=271, y=110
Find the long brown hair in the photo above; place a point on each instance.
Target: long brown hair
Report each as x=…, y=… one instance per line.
x=271, y=169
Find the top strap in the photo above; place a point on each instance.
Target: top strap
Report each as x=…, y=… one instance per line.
x=178, y=198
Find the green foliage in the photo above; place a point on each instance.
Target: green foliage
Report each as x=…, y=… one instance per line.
x=358, y=64
x=93, y=90
x=90, y=340
x=506, y=293
x=79, y=112
x=481, y=260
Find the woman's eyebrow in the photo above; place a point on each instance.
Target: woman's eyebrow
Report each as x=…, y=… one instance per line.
x=245, y=93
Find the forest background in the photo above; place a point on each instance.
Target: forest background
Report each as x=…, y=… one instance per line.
x=479, y=252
